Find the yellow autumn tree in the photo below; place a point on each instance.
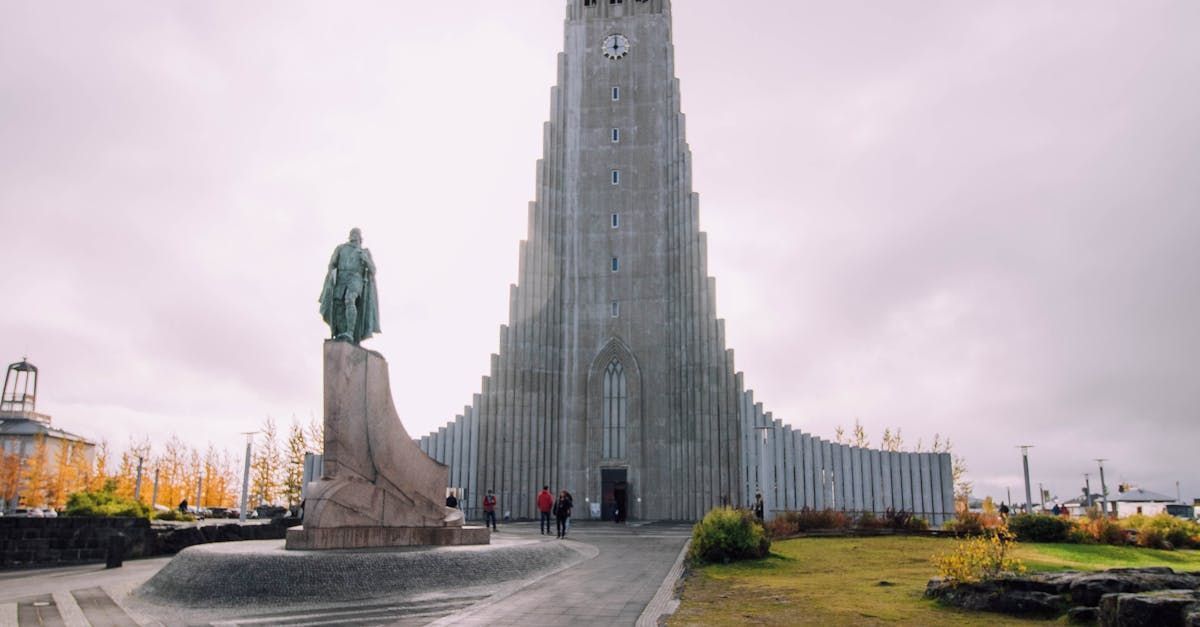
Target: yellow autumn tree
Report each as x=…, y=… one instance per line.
x=36, y=474
x=100, y=472
x=293, y=468
x=10, y=478
x=62, y=475
x=81, y=470
x=220, y=479
x=172, y=472
x=265, y=465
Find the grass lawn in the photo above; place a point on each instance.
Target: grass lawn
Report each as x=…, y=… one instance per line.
x=868, y=581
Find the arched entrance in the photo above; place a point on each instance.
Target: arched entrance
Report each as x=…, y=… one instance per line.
x=614, y=431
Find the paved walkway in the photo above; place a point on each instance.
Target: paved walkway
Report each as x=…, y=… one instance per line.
x=614, y=587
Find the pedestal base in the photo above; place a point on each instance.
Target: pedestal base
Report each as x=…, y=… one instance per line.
x=301, y=539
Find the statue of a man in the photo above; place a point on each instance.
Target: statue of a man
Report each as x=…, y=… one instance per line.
x=349, y=303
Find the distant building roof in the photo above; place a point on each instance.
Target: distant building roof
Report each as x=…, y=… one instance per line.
x=1138, y=495
x=11, y=426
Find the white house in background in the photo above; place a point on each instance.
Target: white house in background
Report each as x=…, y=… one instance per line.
x=1130, y=501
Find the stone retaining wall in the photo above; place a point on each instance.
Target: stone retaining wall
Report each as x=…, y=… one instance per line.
x=29, y=542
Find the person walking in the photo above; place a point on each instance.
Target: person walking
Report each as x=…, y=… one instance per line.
x=545, y=503
x=571, y=507
x=489, y=509
x=562, y=512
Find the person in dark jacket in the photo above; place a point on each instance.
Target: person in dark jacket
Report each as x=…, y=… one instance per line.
x=562, y=512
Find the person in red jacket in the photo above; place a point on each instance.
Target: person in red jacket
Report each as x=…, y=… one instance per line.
x=545, y=503
x=489, y=509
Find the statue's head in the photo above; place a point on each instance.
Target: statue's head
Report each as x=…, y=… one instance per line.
x=356, y=235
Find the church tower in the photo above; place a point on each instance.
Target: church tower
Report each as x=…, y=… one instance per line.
x=613, y=380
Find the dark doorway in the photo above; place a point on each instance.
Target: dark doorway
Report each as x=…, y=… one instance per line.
x=614, y=494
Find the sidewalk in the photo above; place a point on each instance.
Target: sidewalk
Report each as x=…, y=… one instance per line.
x=611, y=588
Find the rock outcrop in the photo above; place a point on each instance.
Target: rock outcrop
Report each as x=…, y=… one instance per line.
x=1121, y=597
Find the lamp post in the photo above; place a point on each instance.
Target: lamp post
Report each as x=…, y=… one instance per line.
x=154, y=494
x=1103, y=487
x=1028, y=492
x=246, y=476
x=137, y=485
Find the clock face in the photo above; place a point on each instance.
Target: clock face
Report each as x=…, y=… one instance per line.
x=616, y=46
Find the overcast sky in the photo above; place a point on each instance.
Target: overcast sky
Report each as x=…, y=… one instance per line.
x=978, y=219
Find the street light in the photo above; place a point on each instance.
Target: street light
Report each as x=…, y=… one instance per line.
x=137, y=486
x=246, y=476
x=1103, y=487
x=1028, y=493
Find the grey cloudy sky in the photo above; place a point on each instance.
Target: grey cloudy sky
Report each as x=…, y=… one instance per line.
x=978, y=219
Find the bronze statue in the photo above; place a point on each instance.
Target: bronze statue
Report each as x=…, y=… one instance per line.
x=349, y=302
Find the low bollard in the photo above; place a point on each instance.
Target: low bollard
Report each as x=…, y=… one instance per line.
x=116, y=550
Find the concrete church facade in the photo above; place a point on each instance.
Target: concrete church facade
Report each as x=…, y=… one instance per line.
x=613, y=379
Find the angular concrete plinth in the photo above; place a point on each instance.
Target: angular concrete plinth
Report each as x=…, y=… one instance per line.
x=299, y=538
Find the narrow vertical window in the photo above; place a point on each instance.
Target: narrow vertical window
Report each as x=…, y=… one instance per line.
x=614, y=408
x=616, y=264
x=616, y=177
x=616, y=220
x=616, y=309
x=616, y=94
x=616, y=135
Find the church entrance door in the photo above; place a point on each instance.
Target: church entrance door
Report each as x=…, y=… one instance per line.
x=614, y=494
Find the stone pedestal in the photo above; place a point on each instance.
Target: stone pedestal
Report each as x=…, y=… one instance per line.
x=378, y=488
x=299, y=538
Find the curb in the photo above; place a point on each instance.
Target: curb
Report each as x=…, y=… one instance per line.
x=664, y=602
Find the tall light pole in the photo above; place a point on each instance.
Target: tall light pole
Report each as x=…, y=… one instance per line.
x=1028, y=492
x=137, y=485
x=246, y=476
x=154, y=495
x=1103, y=487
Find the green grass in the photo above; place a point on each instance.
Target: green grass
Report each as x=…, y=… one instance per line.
x=869, y=581
x=1053, y=557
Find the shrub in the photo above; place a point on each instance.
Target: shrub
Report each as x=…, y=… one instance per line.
x=979, y=558
x=1164, y=531
x=104, y=503
x=973, y=524
x=1039, y=528
x=903, y=521
x=1079, y=535
x=868, y=521
x=726, y=535
x=791, y=523
x=1101, y=529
